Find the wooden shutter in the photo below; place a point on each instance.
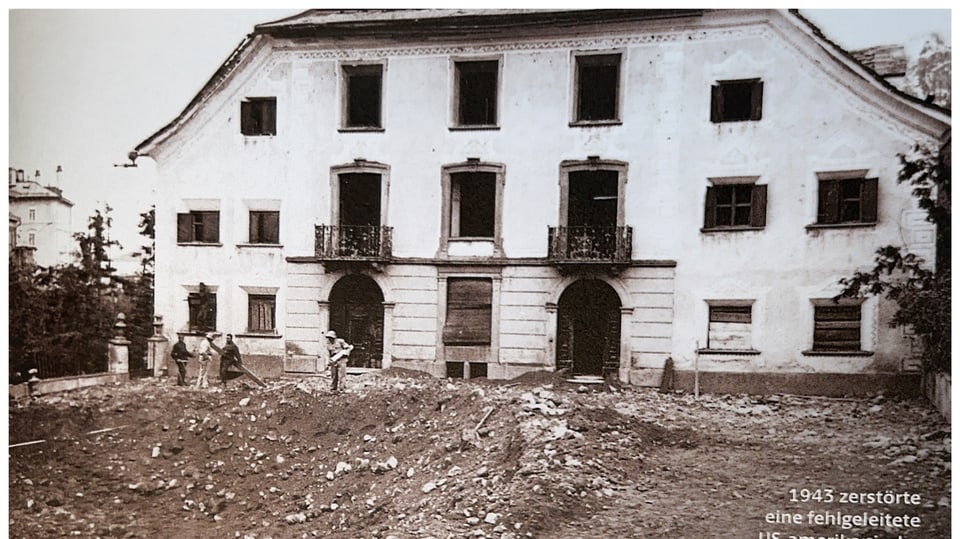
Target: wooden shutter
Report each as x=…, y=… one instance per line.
x=828, y=203
x=868, y=200
x=184, y=227
x=268, y=123
x=246, y=118
x=730, y=327
x=710, y=208
x=716, y=104
x=564, y=338
x=758, y=206
x=836, y=328
x=756, y=100
x=211, y=227
x=468, y=312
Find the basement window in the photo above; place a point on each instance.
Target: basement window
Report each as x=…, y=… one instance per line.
x=258, y=116
x=736, y=101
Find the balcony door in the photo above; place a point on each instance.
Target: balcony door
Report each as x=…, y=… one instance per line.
x=359, y=213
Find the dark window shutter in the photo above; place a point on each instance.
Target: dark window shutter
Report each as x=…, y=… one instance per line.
x=710, y=208
x=758, y=206
x=756, y=100
x=255, y=227
x=468, y=312
x=246, y=118
x=716, y=103
x=184, y=227
x=828, y=204
x=271, y=227
x=868, y=202
x=269, y=120
x=211, y=227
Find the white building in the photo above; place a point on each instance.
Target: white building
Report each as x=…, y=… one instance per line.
x=487, y=193
x=44, y=215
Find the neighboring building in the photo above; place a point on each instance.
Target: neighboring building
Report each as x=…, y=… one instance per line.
x=44, y=216
x=488, y=193
x=19, y=254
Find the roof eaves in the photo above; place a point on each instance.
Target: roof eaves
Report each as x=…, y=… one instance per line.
x=867, y=70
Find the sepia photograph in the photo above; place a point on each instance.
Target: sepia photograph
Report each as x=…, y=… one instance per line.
x=455, y=272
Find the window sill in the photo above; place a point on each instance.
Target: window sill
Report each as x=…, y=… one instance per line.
x=259, y=335
x=849, y=353
x=818, y=226
x=730, y=229
x=594, y=123
x=258, y=135
x=260, y=245
x=719, y=352
x=361, y=130
x=196, y=332
x=470, y=238
x=198, y=244
x=478, y=127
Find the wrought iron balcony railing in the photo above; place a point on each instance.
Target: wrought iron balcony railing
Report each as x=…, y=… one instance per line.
x=370, y=243
x=587, y=244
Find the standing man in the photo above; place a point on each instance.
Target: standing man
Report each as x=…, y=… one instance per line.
x=205, y=354
x=181, y=355
x=338, y=350
x=229, y=356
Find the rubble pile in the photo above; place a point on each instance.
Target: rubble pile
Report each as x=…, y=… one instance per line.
x=401, y=455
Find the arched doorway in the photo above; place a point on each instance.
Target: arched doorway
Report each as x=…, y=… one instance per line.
x=588, y=329
x=356, y=314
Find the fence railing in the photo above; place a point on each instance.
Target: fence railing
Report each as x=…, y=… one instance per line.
x=578, y=244
x=351, y=242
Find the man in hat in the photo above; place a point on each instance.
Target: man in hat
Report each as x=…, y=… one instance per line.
x=229, y=356
x=181, y=355
x=338, y=350
x=205, y=354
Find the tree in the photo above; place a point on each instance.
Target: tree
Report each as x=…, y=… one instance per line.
x=138, y=293
x=922, y=294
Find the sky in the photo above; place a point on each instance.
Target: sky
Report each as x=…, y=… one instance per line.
x=87, y=86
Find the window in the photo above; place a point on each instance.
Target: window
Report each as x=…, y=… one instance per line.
x=258, y=116
x=736, y=101
x=362, y=91
x=476, y=92
x=469, y=311
x=32, y=215
x=597, y=88
x=264, y=227
x=729, y=327
x=735, y=206
x=203, y=310
x=473, y=198
x=836, y=328
x=846, y=200
x=262, y=310
x=198, y=227
x=32, y=240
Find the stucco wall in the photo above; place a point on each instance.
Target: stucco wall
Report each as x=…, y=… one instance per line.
x=816, y=118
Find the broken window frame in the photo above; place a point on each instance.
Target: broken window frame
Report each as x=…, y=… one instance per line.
x=258, y=116
x=739, y=100
x=350, y=114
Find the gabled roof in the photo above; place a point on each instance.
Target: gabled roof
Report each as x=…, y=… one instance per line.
x=27, y=190
x=432, y=23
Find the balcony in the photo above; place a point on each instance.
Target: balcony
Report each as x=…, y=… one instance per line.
x=346, y=244
x=578, y=246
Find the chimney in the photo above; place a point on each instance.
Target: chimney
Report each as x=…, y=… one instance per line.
x=20, y=175
x=57, y=180
x=36, y=176
x=13, y=175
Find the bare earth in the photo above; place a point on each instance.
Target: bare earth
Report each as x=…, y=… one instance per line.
x=403, y=455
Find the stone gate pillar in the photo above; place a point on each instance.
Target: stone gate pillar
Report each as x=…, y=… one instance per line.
x=118, y=351
x=157, y=349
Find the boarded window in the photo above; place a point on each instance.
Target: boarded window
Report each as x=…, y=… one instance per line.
x=476, y=92
x=736, y=101
x=264, y=227
x=198, y=227
x=469, y=311
x=363, y=88
x=203, y=311
x=597, y=86
x=836, y=328
x=743, y=205
x=473, y=201
x=262, y=312
x=258, y=116
x=850, y=200
x=730, y=327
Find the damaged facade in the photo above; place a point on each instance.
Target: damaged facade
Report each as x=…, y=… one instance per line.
x=487, y=193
